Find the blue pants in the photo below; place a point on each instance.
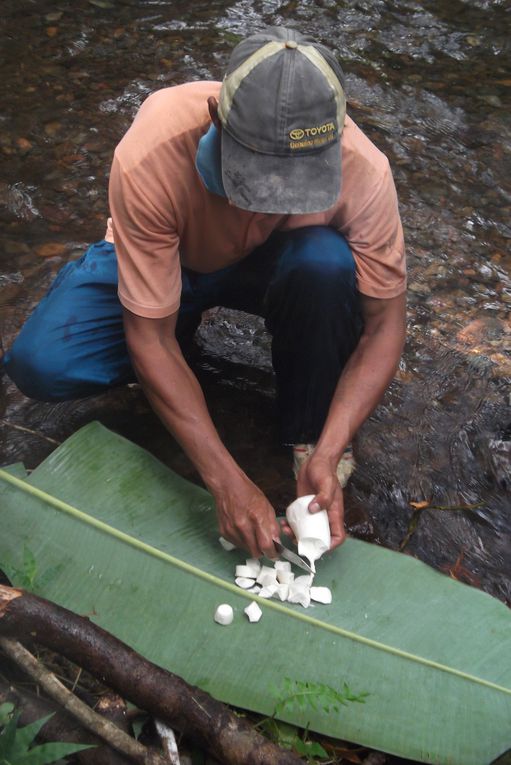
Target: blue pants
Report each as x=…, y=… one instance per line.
x=302, y=282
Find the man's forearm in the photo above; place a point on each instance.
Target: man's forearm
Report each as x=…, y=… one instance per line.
x=176, y=396
x=244, y=514
x=365, y=377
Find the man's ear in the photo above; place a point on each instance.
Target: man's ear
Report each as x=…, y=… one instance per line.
x=213, y=112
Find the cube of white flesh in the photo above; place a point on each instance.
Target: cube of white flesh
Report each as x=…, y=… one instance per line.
x=269, y=591
x=244, y=582
x=282, y=591
x=246, y=571
x=282, y=565
x=299, y=594
x=268, y=580
x=304, y=581
x=226, y=544
x=253, y=612
x=224, y=614
x=321, y=595
x=255, y=564
x=284, y=576
x=268, y=574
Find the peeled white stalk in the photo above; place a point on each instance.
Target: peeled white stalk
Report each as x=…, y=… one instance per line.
x=224, y=614
x=321, y=595
x=312, y=530
x=244, y=582
x=253, y=612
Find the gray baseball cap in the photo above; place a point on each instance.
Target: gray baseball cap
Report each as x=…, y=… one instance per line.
x=282, y=108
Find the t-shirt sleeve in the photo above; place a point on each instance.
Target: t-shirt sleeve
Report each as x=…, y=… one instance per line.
x=375, y=235
x=146, y=243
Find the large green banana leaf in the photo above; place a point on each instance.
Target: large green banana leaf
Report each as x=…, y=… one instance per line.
x=107, y=530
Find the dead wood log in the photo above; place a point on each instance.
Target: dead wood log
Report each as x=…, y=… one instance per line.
x=90, y=719
x=60, y=726
x=166, y=696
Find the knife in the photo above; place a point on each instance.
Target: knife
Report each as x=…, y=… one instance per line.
x=292, y=557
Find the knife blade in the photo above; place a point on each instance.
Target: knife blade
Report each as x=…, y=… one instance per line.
x=292, y=557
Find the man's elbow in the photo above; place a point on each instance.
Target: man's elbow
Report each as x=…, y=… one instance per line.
x=385, y=317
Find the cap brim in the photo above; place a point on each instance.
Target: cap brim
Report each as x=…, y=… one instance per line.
x=291, y=185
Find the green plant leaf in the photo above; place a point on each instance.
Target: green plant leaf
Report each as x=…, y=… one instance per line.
x=25, y=736
x=6, y=710
x=309, y=748
x=302, y=694
x=15, y=744
x=279, y=732
x=8, y=737
x=48, y=753
x=139, y=554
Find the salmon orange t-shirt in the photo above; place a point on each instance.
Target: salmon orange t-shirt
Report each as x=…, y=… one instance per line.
x=164, y=217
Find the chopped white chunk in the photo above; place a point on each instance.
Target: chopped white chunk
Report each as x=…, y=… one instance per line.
x=224, y=614
x=321, y=595
x=299, y=594
x=244, y=583
x=283, y=591
x=267, y=580
x=302, y=597
x=282, y=565
x=267, y=573
x=246, y=571
x=285, y=577
x=255, y=565
x=304, y=581
x=269, y=591
x=226, y=544
x=253, y=612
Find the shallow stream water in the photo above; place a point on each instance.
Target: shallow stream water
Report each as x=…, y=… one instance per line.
x=430, y=83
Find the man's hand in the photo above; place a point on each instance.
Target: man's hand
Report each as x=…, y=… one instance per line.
x=362, y=384
x=318, y=476
x=246, y=518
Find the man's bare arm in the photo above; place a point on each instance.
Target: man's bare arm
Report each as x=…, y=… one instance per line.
x=244, y=514
x=367, y=374
x=361, y=386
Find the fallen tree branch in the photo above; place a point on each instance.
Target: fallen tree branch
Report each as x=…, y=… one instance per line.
x=61, y=726
x=83, y=713
x=168, y=741
x=28, y=430
x=166, y=696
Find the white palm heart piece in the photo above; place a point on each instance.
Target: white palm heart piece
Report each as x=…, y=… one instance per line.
x=312, y=532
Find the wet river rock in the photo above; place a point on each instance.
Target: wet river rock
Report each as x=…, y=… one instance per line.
x=429, y=83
